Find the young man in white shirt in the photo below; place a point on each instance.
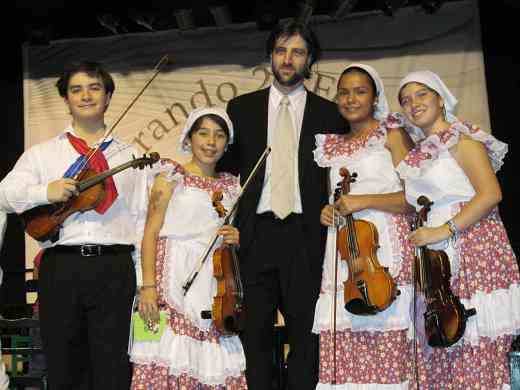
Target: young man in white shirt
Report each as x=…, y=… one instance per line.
x=87, y=277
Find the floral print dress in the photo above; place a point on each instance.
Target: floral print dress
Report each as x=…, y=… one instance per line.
x=372, y=352
x=484, y=269
x=191, y=354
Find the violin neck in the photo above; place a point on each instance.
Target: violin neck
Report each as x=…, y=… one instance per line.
x=92, y=181
x=352, y=238
x=422, y=261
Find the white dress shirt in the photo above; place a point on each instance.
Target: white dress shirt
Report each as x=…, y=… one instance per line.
x=26, y=187
x=297, y=99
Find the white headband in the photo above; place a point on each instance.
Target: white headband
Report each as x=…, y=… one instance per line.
x=432, y=81
x=382, y=109
x=185, y=146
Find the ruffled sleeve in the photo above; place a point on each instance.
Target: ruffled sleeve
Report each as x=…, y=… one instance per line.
x=429, y=149
x=393, y=121
x=326, y=148
x=172, y=170
x=496, y=149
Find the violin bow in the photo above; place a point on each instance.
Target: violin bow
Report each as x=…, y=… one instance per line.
x=164, y=60
x=204, y=257
x=335, y=290
x=414, y=225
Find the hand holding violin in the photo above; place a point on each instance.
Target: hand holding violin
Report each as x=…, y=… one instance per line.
x=348, y=204
x=61, y=190
x=230, y=234
x=327, y=215
x=429, y=235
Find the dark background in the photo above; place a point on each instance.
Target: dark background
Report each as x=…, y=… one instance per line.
x=39, y=22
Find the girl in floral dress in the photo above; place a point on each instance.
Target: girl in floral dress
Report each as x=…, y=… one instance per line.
x=191, y=353
x=454, y=165
x=372, y=352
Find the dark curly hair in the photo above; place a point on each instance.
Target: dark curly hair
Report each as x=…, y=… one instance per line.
x=289, y=29
x=93, y=69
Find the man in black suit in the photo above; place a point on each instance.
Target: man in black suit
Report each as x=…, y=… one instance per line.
x=282, y=241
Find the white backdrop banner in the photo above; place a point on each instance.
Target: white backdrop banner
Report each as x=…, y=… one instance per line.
x=209, y=66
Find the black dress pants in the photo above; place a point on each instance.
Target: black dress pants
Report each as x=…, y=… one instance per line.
x=277, y=274
x=85, y=308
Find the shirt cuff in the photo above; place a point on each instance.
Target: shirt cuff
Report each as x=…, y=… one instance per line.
x=38, y=194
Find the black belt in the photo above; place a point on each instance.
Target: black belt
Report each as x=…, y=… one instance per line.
x=89, y=250
x=271, y=215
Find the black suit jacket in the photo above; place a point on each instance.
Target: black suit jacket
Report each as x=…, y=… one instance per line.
x=249, y=114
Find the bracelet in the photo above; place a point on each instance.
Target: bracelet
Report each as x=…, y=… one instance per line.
x=454, y=230
x=148, y=286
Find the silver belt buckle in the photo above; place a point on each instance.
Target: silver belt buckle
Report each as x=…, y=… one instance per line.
x=88, y=250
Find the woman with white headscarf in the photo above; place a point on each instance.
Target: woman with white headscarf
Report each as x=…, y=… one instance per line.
x=454, y=165
x=374, y=350
x=191, y=353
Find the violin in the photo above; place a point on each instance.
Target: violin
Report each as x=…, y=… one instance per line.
x=445, y=317
x=369, y=288
x=228, y=311
x=44, y=222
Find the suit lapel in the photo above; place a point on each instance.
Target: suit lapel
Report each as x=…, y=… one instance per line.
x=258, y=141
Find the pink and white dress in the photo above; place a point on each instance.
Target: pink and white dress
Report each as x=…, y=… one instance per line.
x=191, y=354
x=484, y=269
x=372, y=352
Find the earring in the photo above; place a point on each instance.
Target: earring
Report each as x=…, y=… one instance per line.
x=444, y=113
x=187, y=146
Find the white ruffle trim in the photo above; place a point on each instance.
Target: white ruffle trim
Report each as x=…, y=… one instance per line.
x=209, y=363
x=364, y=386
x=498, y=314
x=375, y=140
x=429, y=149
x=395, y=317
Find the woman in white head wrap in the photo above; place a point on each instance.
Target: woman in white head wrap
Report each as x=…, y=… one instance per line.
x=191, y=353
x=454, y=165
x=372, y=149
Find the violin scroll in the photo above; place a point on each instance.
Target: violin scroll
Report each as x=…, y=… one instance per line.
x=216, y=200
x=144, y=161
x=343, y=186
